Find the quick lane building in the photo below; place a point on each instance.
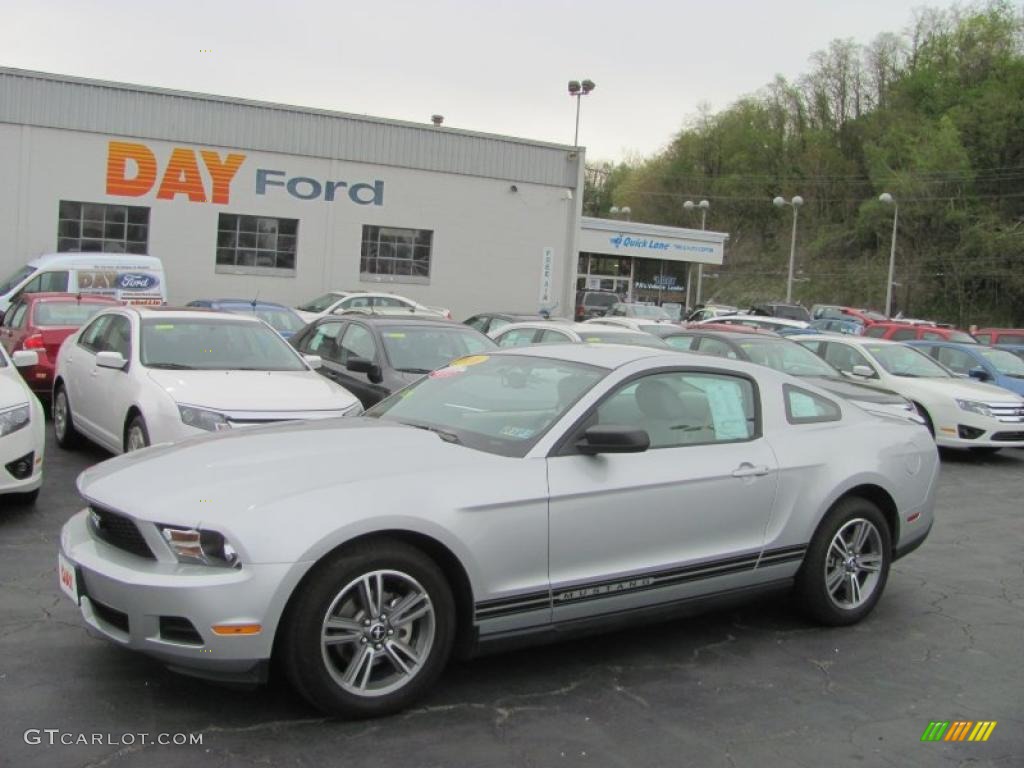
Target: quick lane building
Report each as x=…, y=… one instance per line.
x=242, y=198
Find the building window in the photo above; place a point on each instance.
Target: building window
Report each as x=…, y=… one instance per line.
x=101, y=227
x=257, y=245
x=396, y=255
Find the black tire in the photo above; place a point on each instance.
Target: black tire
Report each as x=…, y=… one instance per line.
x=63, y=422
x=923, y=413
x=26, y=499
x=305, y=659
x=812, y=580
x=136, y=423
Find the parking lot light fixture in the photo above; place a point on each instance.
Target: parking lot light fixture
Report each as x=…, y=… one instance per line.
x=579, y=89
x=888, y=199
x=795, y=202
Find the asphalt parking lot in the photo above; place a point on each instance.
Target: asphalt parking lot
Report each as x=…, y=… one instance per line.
x=757, y=686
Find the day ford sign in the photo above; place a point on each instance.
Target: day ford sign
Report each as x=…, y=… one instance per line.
x=135, y=170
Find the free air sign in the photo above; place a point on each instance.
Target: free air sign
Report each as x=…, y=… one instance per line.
x=208, y=176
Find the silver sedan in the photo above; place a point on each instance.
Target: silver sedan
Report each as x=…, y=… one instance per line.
x=508, y=498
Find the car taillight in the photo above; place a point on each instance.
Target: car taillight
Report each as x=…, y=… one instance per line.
x=580, y=309
x=35, y=341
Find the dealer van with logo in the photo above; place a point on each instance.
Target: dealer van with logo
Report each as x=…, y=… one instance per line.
x=125, y=277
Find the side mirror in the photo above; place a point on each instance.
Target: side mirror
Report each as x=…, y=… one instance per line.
x=362, y=365
x=863, y=372
x=25, y=358
x=111, y=360
x=313, y=361
x=979, y=373
x=613, y=439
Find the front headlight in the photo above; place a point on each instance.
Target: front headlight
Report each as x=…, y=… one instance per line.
x=203, y=419
x=975, y=407
x=200, y=547
x=14, y=419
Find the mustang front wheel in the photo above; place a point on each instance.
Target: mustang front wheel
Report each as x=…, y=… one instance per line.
x=370, y=632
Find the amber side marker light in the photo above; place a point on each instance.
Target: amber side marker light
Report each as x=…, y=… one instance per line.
x=236, y=629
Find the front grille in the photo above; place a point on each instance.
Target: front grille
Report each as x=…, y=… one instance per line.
x=110, y=616
x=1011, y=413
x=1009, y=437
x=118, y=531
x=178, y=629
x=21, y=467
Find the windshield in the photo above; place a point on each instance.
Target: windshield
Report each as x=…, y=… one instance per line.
x=279, y=318
x=900, y=360
x=215, y=344
x=650, y=312
x=1006, y=363
x=10, y=283
x=600, y=299
x=424, y=348
x=791, y=313
x=65, y=313
x=786, y=357
x=500, y=404
x=638, y=339
x=321, y=304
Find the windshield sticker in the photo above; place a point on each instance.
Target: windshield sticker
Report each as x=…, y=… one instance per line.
x=471, y=360
x=518, y=433
x=725, y=399
x=446, y=373
x=592, y=339
x=163, y=327
x=394, y=335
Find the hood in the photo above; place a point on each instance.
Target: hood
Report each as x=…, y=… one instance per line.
x=243, y=471
x=852, y=390
x=965, y=389
x=12, y=390
x=253, y=390
x=308, y=317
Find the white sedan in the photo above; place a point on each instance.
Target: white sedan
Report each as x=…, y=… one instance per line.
x=22, y=432
x=777, y=324
x=959, y=412
x=555, y=332
x=136, y=376
x=334, y=302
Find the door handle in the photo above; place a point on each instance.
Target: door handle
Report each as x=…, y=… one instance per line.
x=749, y=470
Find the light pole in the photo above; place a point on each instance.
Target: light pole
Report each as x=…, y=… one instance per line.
x=703, y=205
x=888, y=199
x=795, y=202
x=579, y=89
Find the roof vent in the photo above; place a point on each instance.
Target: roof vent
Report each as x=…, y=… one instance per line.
x=437, y=120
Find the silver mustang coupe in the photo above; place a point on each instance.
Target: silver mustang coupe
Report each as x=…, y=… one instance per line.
x=511, y=497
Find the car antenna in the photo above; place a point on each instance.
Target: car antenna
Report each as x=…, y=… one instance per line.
x=255, y=299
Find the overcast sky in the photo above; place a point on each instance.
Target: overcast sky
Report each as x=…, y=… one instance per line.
x=486, y=65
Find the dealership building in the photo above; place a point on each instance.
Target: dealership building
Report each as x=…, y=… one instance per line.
x=243, y=199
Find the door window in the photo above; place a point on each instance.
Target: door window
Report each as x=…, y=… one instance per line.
x=324, y=342
x=517, y=337
x=479, y=323
x=92, y=336
x=357, y=341
x=679, y=342
x=845, y=357
x=875, y=331
x=681, y=408
x=117, y=337
x=356, y=302
x=17, y=316
x=955, y=359
x=904, y=334
x=984, y=338
x=45, y=282
x=553, y=337
x=388, y=301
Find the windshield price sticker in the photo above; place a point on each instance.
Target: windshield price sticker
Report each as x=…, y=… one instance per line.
x=462, y=362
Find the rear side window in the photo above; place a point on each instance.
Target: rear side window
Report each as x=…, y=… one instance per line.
x=875, y=331
x=804, y=407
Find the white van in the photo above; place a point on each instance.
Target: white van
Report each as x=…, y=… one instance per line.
x=122, y=276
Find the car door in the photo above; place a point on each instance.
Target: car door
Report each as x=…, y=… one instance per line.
x=12, y=330
x=357, y=341
x=79, y=371
x=112, y=386
x=683, y=518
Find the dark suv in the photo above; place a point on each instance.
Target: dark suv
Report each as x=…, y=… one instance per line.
x=594, y=304
x=373, y=356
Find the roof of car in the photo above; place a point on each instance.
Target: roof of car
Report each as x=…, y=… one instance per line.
x=603, y=355
x=729, y=328
x=846, y=338
x=172, y=313
x=248, y=303
x=762, y=319
x=373, y=319
x=555, y=325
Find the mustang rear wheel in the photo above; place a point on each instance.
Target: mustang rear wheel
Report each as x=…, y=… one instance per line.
x=370, y=631
x=847, y=564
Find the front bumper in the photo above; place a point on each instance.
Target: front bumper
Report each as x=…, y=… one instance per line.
x=130, y=601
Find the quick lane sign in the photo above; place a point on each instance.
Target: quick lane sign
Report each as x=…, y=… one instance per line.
x=133, y=170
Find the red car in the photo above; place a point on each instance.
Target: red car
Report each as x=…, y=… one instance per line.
x=41, y=322
x=865, y=317
x=896, y=331
x=993, y=336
